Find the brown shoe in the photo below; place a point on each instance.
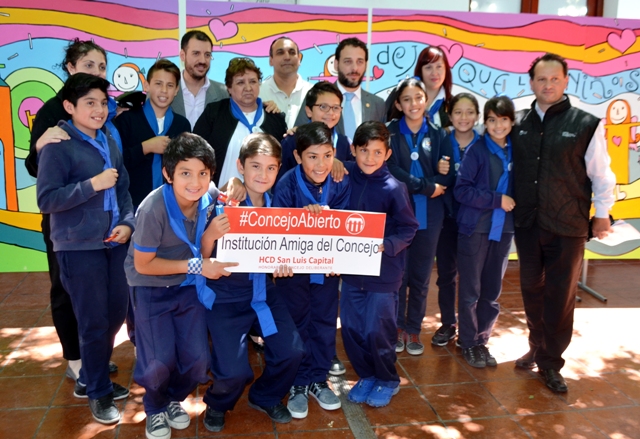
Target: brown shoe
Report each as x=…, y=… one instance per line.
x=526, y=361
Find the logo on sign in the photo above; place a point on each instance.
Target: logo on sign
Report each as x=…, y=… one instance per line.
x=355, y=224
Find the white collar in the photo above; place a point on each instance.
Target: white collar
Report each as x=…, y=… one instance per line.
x=185, y=89
x=357, y=93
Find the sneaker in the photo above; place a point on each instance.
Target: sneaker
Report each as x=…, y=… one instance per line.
x=278, y=413
x=489, y=359
x=474, y=357
x=380, y=396
x=298, y=404
x=361, y=390
x=104, y=410
x=119, y=392
x=80, y=390
x=400, y=342
x=443, y=335
x=458, y=345
x=337, y=368
x=414, y=346
x=177, y=417
x=157, y=427
x=213, y=420
x=324, y=395
x=113, y=367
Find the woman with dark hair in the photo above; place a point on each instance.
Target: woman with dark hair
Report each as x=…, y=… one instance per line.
x=225, y=123
x=80, y=57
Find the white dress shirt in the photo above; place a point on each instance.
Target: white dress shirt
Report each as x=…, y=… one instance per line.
x=229, y=168
x=194, y=105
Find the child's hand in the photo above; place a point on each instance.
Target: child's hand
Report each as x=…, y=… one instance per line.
x=338, y=171
x=271, y=107
x=443, y=165
x=52, y=135
x=104, y=180
x=290, y=132
x=214, y=269
x=119, y=234
x=314, y=208
x=218, y=227
x=283, y=271
x=155, y=145
x=508, y=203
x=381, y=248
x=120, y=110
x=236, y=190
x=439, y=190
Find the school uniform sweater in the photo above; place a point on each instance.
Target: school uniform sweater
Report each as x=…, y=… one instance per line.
x=289, y=194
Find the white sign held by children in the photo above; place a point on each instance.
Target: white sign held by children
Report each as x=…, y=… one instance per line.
x=338, y=241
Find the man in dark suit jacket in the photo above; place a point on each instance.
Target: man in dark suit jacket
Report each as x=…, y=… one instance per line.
x=195, y=53
x=351, y=62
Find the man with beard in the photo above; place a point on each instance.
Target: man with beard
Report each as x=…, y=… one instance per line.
x=286, y=87
x=196, y=90
x=358, y=106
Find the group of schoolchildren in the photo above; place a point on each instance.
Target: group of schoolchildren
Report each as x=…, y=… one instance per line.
x=192, y=315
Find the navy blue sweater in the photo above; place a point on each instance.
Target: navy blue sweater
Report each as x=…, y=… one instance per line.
x=289, y=194
x=381, y=192
x=78, y=218
x=473, y=189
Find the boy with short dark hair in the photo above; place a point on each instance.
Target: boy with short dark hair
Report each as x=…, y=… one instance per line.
x=166, y=270
x=368, y=304
x=83, y=184
x=312, y=299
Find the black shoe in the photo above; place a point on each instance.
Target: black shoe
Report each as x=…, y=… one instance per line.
x=443, y=335
x=489, y=359
x=113, y=367
x=554, y=380
x=278, y=413
x=474, y=357
x=119, y=392
x=527, y=361
x=337, y=368
x=104, y=410
x=213, y=420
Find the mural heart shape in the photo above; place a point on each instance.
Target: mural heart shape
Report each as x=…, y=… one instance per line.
x=377, y=72
x=622, y=42
x=453, y=54
x=222, y=31
x=617, y=140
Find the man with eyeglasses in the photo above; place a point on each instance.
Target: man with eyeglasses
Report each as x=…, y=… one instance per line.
x=285, y=87
x=359, y=105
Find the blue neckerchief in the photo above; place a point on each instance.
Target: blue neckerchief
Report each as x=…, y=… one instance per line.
x=456, y=147
x=315, y=278
x=497, y=218
x=152, y=120
x=112, y=106
x=259, y=299
x=176, y=221
x=110, y=198
x=419, y=200
x=238, y=114
x=435, y=108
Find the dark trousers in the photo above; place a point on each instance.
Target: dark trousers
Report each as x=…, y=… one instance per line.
x=98, y=288
x=549, y=269
x=369, y=333
x=447, y=266
x=64, y=320
x=229, y=326
x=172, y=345
x=314, y=309
x=412, y=305
x=482, y=264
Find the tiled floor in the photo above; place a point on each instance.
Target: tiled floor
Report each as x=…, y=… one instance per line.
x=441, y=397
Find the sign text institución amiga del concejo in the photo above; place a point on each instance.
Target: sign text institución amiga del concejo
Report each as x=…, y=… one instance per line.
x=339, y=241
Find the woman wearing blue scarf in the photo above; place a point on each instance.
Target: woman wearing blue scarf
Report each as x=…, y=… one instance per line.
x=225, y=123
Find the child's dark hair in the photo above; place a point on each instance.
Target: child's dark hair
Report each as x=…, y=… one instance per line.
x=353, y=42
x=468, y=96
x=319, y=88
x=78, y=49
x=188, y=146
x=260, y=143
x=501, y=106
x=548, y=57
x=314, y=133
x=371, y=130
x=197, y=34
x=407, y=82
x=80, y=84
x=167, y=66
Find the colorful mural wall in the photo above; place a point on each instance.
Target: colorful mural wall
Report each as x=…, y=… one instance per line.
x=489, y=53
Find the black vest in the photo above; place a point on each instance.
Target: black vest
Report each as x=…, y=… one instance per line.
x=551, y=185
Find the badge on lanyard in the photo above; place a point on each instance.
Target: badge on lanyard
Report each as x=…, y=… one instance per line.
x=510, y=167
x=426, y=144
x=414, y=156
x=457, y=166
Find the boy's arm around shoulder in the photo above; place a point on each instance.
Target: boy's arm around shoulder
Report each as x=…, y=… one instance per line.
x=466, y=191
x=285, y=192
x=401, y=213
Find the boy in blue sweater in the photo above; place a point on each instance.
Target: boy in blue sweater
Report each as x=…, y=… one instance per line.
x=368, y=304
x=312, y=299
x=83, y=184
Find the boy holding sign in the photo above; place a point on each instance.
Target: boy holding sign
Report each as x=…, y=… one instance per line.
x=246, y=301
x=368, y=304
x=312, y=299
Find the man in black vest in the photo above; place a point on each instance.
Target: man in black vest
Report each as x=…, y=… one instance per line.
x=560, y=159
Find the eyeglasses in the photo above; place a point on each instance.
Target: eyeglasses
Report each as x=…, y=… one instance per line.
x=325, y=108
